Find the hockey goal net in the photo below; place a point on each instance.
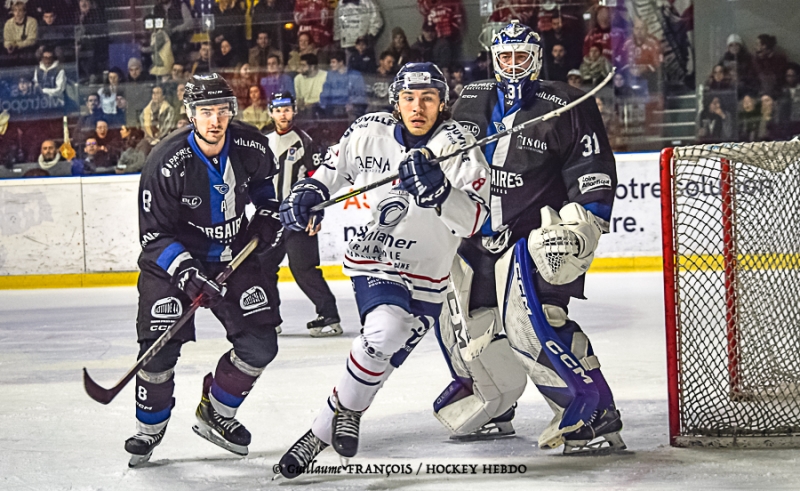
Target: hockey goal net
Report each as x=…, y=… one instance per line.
x=731, y=244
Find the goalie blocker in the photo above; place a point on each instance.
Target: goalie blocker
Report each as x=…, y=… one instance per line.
x=545, y=344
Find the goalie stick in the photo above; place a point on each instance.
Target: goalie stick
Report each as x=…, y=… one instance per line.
x=104, y=396
x=479, y=143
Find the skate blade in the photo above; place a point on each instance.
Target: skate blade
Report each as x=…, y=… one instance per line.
x=493, y=432
x=209, y=434
x=137, y=460
x=602, y=445
x=325, y=332
x=555, y=438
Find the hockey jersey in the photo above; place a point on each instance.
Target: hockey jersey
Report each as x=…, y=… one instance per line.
x=190, y=204
x=295, y=156
x=564, y=159
x=404, y=242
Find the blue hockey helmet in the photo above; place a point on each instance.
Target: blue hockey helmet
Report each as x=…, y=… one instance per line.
x=507, y=44
x=415, y=76
x=282, y=99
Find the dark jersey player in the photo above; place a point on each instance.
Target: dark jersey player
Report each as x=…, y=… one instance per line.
x=192, y=195
x=563, y=164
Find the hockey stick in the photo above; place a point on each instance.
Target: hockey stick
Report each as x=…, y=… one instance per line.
x=479, y=143
x=104, y=396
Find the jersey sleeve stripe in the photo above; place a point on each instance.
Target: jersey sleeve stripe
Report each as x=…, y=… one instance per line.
x=354, y=362
x=168, y=255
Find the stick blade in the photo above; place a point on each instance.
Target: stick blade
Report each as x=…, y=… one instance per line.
x=99, y=394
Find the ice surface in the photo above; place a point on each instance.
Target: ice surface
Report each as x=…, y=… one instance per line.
x=53, y=437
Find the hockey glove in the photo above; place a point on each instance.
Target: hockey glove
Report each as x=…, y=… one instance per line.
x=424, y=180
x=192, y=280
x=563, y=248
x=267, y=225
x=295, y=211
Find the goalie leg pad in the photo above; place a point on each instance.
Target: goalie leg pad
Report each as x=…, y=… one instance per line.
x=558, y=374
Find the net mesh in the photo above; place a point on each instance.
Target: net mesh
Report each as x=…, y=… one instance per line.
x=737, y=243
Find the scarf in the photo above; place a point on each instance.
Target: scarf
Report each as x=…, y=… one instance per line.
x=48, y=164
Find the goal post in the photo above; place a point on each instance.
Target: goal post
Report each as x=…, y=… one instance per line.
x=731, y=255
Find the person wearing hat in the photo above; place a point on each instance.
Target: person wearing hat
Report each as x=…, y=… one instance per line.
x=739, y=63
x=574, y=78
x=297, y=159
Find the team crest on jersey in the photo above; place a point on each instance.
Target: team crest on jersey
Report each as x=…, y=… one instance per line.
x=167, y=308
x=253, y=300
x=393, y=208
x=191, y=201
x=499, y=126
x=291, y=155
x=222, y=188
x=471, y=127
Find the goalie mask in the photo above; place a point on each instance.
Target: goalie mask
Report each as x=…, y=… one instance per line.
x=208, y=90
x=517, y=59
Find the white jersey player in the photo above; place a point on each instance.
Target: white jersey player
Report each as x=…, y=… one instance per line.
x=400, y=265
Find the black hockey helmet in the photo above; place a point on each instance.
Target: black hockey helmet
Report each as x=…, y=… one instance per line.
x=282, y=99
x=207, y=90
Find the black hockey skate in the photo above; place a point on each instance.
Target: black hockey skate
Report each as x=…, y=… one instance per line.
x=323, y=327
x=141, y=446
x=227, y=433
x=498, y=427
x=598, y=437
x=346, y=425
x=297, y=459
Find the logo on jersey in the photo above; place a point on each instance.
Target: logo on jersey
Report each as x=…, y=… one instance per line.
x=253, y=299
x=499, y=126
x=503, y=180
x=369, y=163
x=471, y=127
x=393, y=209
x=222, y=188
x=291, y=154
x=531, y=144
x=191, y=201
x=167, y=308
x=592, y=182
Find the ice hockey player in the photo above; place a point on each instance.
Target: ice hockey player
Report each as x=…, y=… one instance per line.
x=192, y=195
x=295, y=153
x=400, y=265
x=563, y=164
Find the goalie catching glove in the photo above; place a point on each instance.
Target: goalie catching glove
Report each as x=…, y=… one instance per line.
x=192, y=280
x=295, y=211
x=563, y=247
x=423, y=180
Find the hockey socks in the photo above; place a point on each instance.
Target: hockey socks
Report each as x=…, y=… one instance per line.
x=154, y=403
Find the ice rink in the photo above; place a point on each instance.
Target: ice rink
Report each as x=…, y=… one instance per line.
x=53, y=437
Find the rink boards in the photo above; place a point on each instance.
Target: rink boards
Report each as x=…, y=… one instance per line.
x=83, y=231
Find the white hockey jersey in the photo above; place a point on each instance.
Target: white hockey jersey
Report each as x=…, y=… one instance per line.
x=404, y=242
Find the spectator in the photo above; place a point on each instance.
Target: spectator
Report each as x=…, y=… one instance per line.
x=354, y=20
x=256, y=113
x=567, y=34
x=599, y=34
x=309, y=82
x=315, y=18
x=203, y=63
x=714, y=123
x=160, y=49
x=557, y=69
x=182, y=121
x=770, y=65
x=790, y=98
x=344, y=93
x=769, y=127
x=740, y=65
x=387, y=65
x=642, y=52
x=107, y=141
x=158, y=117
x=177, y=100
x=362, y=59
x=52, y=32
x=108, y=92
x=400, y=49
x=257, y=56
x=575, y=79
x=94, y=161
x=481, y=68
x=225, y=56
x=241, y=81
x=92, y=40
x=132, y=159
x=595, y=66
x=456, y=81
x=720, y=79
x=271, y=16
x=90, y=115
x=748, y=119
x=24, y=88
x=507, y=10
x=229, y=18
x=305, y=45
x=20, y=31
x=447, y=17
x=275, y=80
x=425, y=44
x=136, y=72
x=50, y=160
x=118, y=120
x=49, y=77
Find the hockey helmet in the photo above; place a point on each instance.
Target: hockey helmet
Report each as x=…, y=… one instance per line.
x=517, y=38
x=208, y=90
x=415, y=76
x=282, y=99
